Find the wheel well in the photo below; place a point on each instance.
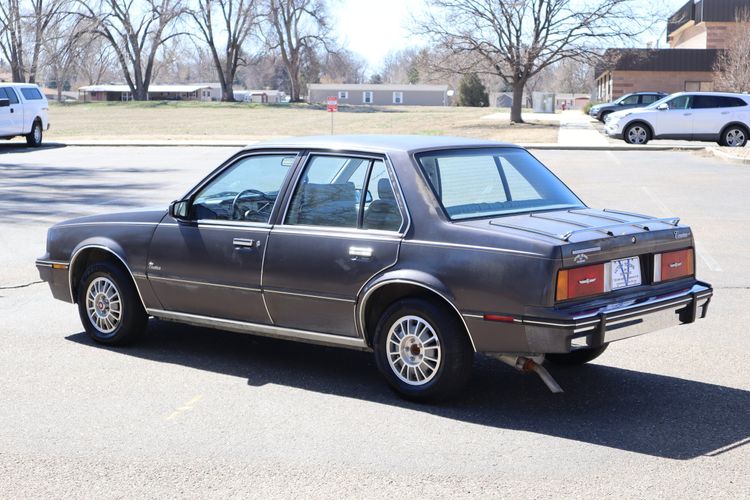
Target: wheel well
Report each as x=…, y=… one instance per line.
x=383, y=297
x=641, y=122
x=734, y=124
x=87, y=257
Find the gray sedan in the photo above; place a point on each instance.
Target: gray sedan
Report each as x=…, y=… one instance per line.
x=423, y=250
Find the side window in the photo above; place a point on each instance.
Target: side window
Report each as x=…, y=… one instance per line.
x=708, y=101
x=649, y=98
x=246, y=191
x=633, y=99
x=31, y=94
x=329, y=192
x=680, y=102
x=381, y=209
x=10, y=95
x=731, y=102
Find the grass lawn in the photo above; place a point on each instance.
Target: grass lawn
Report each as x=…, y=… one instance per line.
x=158, y=120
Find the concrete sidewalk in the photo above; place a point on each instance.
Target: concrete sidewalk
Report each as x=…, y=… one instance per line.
x=576, y=130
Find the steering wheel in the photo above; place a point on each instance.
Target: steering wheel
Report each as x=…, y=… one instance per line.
x=236, y=214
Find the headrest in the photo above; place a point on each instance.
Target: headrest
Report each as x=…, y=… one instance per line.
x=385, y=191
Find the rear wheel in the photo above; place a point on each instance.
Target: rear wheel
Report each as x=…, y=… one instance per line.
x=422, y=350
x=577, y=357
x=637, y=133
x=109, y=305
x=34, y=138
x=734, y=136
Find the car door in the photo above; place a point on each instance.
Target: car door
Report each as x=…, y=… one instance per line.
x=16, y=112
x=710, y=114
x=676, y=121
x=343, y=225
x=210, y=263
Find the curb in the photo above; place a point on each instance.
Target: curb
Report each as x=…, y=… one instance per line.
x=728, y=157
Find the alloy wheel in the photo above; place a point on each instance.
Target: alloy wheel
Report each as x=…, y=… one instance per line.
x=103, y=305
x=735, y=138
x=637, y=135
x=413, y=350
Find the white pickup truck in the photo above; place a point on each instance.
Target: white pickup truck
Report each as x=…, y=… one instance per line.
x=23, y=111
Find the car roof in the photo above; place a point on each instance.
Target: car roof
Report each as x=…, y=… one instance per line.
x=15, y=84
x=379, y=143
x=727, y=94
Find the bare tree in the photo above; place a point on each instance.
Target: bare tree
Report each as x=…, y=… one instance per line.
x=236, y=23
x=23, y=27
x=516, y=39
x=135, y=30
x=64, y=45
x=732, y=67
x=96, y=61
x=297, y=28
x=342, y=66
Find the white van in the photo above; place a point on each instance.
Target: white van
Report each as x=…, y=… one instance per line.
x=23, y=111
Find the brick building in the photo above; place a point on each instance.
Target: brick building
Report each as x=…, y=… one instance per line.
x=696, y=33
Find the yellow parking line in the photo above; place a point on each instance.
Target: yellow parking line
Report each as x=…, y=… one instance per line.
x=182, y=409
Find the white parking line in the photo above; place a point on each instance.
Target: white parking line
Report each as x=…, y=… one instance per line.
x=706, y=257
x=613, y=157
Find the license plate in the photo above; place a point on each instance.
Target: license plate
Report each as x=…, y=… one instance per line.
x=626, y=273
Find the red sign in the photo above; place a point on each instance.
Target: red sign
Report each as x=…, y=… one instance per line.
x=333, y=104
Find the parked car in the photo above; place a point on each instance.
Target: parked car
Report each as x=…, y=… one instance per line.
x=23, y=111
x=628, y=101
x=690, y=116
x=423, y=250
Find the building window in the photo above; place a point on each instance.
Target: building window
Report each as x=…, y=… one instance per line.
x=343, y=94
x=367, y=97
x=398, y=98
x=699, y=86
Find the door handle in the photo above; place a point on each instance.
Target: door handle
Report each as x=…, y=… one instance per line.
x=725, y=112
x=687, y=114
x=243, y=242
x=360, y=252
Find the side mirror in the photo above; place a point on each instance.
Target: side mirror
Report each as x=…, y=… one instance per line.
x=663, y=106
x=179, y=209
x=4, y=103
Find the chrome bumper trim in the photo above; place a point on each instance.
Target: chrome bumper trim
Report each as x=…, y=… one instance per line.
x=56, y=264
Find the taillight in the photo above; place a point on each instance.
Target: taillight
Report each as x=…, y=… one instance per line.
x=580, y=282
x=673, y=265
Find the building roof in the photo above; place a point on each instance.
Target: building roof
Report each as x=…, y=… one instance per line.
x=398, y=87
x=658, y=60
x=152, y=88
x=697, y=11
x=378, y=143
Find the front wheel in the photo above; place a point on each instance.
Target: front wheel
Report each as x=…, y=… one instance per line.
x=109, y=306
x=422, y=350
x=34, y=138
x=637, y=133
x=577, y=357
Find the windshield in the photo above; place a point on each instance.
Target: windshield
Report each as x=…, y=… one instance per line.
x=475, y=183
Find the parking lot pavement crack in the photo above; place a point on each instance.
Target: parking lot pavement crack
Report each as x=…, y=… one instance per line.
x=13, y=287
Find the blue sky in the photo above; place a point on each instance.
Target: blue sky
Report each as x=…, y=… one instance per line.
x=372, y=28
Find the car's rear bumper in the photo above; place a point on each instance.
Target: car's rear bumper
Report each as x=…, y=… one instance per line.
x=614, y=322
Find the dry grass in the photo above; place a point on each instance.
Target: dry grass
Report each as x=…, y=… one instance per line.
x=250, y=122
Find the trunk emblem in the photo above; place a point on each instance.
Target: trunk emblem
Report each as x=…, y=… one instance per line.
x=580, y=258
x=587, y=281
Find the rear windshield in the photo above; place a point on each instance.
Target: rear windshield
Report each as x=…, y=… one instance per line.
x=475, y=183
x=31, y=94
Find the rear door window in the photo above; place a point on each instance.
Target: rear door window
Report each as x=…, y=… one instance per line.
x=31, y=94
x=649, y=98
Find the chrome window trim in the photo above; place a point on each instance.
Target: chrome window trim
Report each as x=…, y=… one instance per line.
x=308, y=295
x=349, y=233
x=106, y=249
x=228, y=224
x=385, y=158
x=108, y=223
x=363, y=303
x=260, y=329
x=202, y=283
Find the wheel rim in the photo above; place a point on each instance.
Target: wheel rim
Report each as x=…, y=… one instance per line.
x=413, y=350
x=637, y=135
x=735, y=138
x=103, y=305
x=37, y=133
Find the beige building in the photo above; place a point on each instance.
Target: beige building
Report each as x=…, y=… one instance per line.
x=379, y=94
x=696, y=33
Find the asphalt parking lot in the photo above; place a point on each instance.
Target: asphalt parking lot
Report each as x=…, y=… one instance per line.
x=192, y=412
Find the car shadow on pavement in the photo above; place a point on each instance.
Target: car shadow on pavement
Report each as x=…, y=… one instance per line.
x=639, y=412
x=22, y=147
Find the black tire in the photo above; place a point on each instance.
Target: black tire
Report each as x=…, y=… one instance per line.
x=34, y=138
x=577, y=357
x=131, y=317
x=637, y=133
x=734, y=136
x=454, y=352
x=603, y=116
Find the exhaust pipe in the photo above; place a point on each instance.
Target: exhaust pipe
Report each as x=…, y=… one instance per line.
x=531, y=364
